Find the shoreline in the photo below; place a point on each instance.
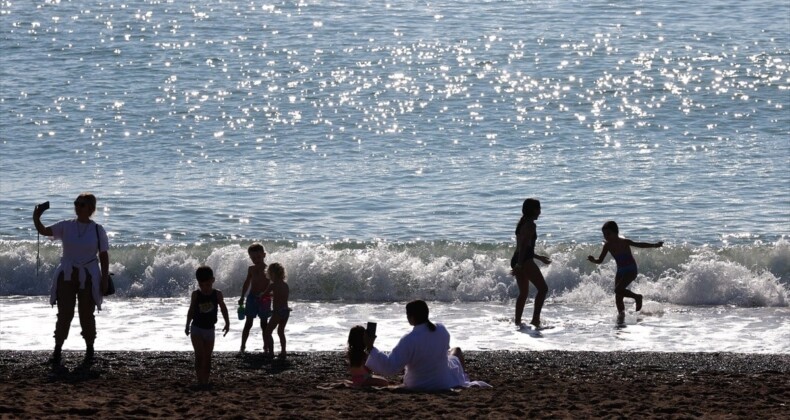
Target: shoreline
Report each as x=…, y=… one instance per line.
x=525, y=384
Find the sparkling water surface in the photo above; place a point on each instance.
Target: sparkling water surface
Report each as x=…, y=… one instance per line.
x=381, y=152
x=333, y=120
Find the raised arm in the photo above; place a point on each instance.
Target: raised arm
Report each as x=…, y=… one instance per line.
x=394, y=363
x=269, y=289
x=44, y=230
x=658, y=244
x=600, y=257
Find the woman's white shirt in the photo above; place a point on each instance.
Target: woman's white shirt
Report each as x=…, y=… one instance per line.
x=81, y=244
x=423, y=353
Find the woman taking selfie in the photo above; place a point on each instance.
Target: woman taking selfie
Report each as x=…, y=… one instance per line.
x=425, y=354
x=81, y=278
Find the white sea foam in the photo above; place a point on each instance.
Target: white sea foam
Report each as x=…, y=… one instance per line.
x=158, y=324
x=447, y=272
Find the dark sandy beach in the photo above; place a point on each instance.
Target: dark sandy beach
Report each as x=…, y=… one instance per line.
x=526, y=385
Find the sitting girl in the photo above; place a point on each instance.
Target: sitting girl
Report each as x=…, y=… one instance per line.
x=361, y=376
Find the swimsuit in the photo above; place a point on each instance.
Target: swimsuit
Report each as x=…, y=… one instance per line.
x=530, y=250
x=206, y=334
x=625, y=263
x=205, y=311
x=283, y=313
x=360, y=374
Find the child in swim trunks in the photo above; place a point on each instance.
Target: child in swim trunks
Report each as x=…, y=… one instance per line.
x=279, y=290
x=258, y=304
x=361, y=376
x=201, y=318
x=620, y=248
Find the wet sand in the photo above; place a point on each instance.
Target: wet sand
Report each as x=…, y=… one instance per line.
x=526, y=385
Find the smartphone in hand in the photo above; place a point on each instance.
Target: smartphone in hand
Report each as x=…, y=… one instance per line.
x=370, y=330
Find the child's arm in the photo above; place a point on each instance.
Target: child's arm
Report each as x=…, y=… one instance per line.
x=246, y=285
x=190, y=313
x=268, y=289
x=658, y=244
x=599, y=260
x=224, y=309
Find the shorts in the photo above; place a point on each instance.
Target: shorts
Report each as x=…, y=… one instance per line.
x=256, y=306
x=207, y=334
x=626, y=269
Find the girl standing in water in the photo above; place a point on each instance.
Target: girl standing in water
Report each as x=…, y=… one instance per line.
x=523, y=262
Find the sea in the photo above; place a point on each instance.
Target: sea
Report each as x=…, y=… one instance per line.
x=381, y=151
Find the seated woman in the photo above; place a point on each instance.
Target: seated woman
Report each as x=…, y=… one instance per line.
x=424, y=352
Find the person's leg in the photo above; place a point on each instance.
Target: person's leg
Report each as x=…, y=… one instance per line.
x=265, y=315
x=523, y=294
x=618, y=301
x=86, y=307
x=208, y=351
x=245, y=333
x=66, y=299
x=268, y=340
x=250, y=313
x=462, y=375
x=456, y=351
x=264, y=322
x=197, y=344
x=281, y=334
x=536, y=277
x=621, y=282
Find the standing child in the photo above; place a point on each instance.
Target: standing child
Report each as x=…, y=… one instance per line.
x=258, y=304
x=524, y=268
x=201, y=318
x=620, y=248
x=279, y=289
x=361, y=375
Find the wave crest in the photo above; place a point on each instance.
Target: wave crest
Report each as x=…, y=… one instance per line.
x=746, y=276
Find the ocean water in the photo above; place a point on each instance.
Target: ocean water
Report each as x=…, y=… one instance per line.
x=381, y=152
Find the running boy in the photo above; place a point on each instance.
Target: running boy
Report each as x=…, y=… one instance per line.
x=258, y=304
x=281, y=311
x=620, y=248
x=201, y=318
